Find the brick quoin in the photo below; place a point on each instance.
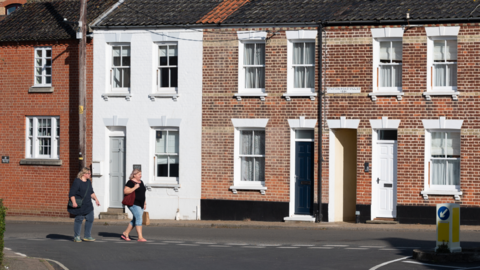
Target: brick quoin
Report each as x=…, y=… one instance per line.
x=40, y=190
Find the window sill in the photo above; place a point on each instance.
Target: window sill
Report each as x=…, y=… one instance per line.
x=289, y=95
x=127, y=96
x=162, y=185
x=43, y=162
x=454, y=193
x=253, y=187
x=260, y=95
x=374, y=95
x=42, y=89
x=428, y=95
x=172, y=95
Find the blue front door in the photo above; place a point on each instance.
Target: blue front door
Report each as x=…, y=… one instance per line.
x=303, y=178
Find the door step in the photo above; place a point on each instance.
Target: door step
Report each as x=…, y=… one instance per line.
x=380, y=218
x=108, y=215
x=116, y=210
x=382, y=221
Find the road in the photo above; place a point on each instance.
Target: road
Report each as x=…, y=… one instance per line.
x=219, y=248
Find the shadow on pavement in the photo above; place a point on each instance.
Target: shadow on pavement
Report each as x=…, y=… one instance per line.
x=59, y=236
x=109, y=234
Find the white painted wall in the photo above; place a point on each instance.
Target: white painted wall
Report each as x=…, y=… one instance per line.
x=162, y=202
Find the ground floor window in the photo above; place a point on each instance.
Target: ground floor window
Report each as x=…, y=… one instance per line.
x=252, y=155
x=445, y=158
x=167, y=157
x=43, y=137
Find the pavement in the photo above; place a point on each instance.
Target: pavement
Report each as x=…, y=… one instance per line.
x=17, y=261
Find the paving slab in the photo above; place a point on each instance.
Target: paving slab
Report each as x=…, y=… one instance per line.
x=17, y=261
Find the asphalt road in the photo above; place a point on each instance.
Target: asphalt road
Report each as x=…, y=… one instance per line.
x=217, y=248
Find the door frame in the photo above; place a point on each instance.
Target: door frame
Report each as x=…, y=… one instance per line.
x=114, y=131
x=375, y=164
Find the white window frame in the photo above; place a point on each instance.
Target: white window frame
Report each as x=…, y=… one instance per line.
x=238, y=158
x=291, y=67
x=159, y=89
x=111, y=67
x=32, y=142
x=168, y=179
x=377, y=64
x=44, y=67
x=249, y=37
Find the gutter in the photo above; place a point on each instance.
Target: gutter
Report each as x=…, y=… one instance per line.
x=318, y=217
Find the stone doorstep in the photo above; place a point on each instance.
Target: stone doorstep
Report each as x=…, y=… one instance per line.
x=108, y=215
x=115, y=210
x=381, y=222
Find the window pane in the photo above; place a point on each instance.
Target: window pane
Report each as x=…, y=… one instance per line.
x=48, y=80
x=161, y=143
x=247, y=169
x=310, y=77
x=173, y=79
x=259, y=169
x=385, y=51
x=116, y=56
x=304, y=134
x=172, y=55
x=48, y=71
x=44, y=146
x=173, y=166
x=117, y=77
x=451, y=50
x=38, y=71
x=438, y=172
x=172, y=142
x=39, y=63
x=39, y=53
x=48, y=62
x=310, y=53
x=164, y=78
x=298, y=53
x=452, y=74
x=453, y=172
x=299, y=77
x=30, y=132
x=438, y=50
x=126, y=77
x=250, y=74
x=38, y=80
x=49, y=53
x=125, y=56
x=259, y=142
x=397, y=51
x=440, y=75
x=162, y=166
x=437, y=146
x=385, y=76
x=260, y=54
x=387, y=135
x=248, y=54
x=246, y=142
x=453, y=144
x=58, y=127
x=260, y=77
x=162, y=51
x=397, y=76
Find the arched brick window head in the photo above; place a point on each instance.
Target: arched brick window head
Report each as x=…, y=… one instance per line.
x=11, y=8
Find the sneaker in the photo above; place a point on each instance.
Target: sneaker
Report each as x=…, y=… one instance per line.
x=77, y=239
x=89, y=239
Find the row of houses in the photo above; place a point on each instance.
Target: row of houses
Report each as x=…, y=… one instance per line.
x=238, y=109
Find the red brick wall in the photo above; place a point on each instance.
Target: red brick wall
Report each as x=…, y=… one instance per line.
x=29, y=189
x=220, y=72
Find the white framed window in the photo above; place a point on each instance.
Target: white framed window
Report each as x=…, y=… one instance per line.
x=167, y=71
x=43, y=66
x=167, y=158
x=252, y=66
x=252, y=155
x=43, y=137
x=120, y=67
x=443, y=156
x=301, y=66
x=387, y=61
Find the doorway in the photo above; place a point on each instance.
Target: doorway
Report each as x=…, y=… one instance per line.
x=304, y=149
x=385, y=177
x=117, y=171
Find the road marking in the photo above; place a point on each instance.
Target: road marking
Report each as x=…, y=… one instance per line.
x=21, y=254
x=191, y=245
x=358, y=248
x=174, y=242
x=219, y=246
x=335, y=245
x=302, y=245
x=156, y=243
x=236, y=244
x=253, y=246
x=322, y=247
x=388, y=249
x=427, y=264
x=372, y=246
x=206, y=243
x=61, y=265
x=287, y=247
x=267, y=245
x=389, y=262
x=7, y=248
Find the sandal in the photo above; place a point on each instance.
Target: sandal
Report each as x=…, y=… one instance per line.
x=142, y=240
x=125, y=237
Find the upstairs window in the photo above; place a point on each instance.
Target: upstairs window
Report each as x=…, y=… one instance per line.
x=43, y=66
x=445, y=64
x=11, y=8
x=390, y=65
x=120, y=72
x=303, y=65
x=167, y=67
x=254, y=66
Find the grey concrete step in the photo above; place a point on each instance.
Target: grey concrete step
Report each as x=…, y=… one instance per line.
x=108, y=215
x=381, y=222
x=115, y=210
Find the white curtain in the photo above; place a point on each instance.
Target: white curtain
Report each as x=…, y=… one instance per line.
x=453, y=144
x=259, y=54
x=385, y=51
x=453, y=172
x=259, y=169
x=386, y=76
x=397, y=74
x=451, y=51
x=248, y=54
x=246, y=142
x=259, y=142
x=298, y=53
x=310, y=77
x=247, y=169
x=445, y=145
x=250, y=77
x=452, y=74
x=397, y=50
x=439, y=50
x=440, y=75
x=299, y=77
x=260, y=77
x=438, y=172
x=437, y=146
x=309, y=53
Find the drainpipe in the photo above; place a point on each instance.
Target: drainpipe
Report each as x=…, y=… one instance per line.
x=320, y=135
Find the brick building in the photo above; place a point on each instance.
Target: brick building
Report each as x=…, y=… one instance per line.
x=9, y=6
x=39, y=111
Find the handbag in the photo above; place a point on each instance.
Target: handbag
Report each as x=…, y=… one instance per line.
x=145, y=218
x=79, y=201
x=129, y=199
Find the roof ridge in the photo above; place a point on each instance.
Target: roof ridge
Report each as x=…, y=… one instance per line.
x=222, y=11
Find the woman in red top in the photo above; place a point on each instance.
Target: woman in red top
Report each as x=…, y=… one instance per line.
x=135, y=184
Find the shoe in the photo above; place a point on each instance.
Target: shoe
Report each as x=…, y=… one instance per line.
x=77, y=239
x=89, y=239
x=126, y=238
x=142, y=240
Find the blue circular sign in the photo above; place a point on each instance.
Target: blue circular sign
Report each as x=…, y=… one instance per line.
x=443, y=213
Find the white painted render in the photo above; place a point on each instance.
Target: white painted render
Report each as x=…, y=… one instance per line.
x=141, y=114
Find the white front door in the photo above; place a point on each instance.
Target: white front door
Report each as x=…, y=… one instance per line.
x=117, y=171
x=386, y=182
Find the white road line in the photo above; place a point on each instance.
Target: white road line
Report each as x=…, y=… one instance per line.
x=174, y=242
x=322, y=247
x=302, y=245
x=222, y=246
x=358, y=248
x=206, y=243
x=190, y=245
x=287, y=247
x=236, y=244
x=61, y=265
x=156, y=243
x=7, y=248
x=427, y=264
x=389, y=262
x=253, y=247
x=372, y=246
x=21, y=254
x=388, y=249
x=335, y=245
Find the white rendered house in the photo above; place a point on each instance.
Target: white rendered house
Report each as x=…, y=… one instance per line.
x=147, y=113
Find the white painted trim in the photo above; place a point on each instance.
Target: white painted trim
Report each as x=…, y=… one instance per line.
x=384, y=123
x=164, y=122
x=252, y=35
x=375, y=174
x=249, y=123
x=260, y=95
x=442, y=31
x=302, y=123
x=454, y=94
x=455, y=193
x=442, y=123
x=311, y=95
x=291, y=90
x=343, y=123
x=331, y=178
x=387, y=32
x=242, y=91
x=115, y=121
x=262, y=189
x=301, y=34
x=374, y=95
x=385, y=91
x=373, y=163
x=306, y=218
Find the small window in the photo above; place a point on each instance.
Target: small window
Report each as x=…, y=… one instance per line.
x=252, y=155
x=304, y=134
x=387, y=135
x=304, y=64
x=445, y=158
x=167, y=153
x=167, y=66
x=43, y=66
x=254, y=65
x=120, y=67
x=43, y=137
x=444, y=63
x=11, y=8
x=390, y=66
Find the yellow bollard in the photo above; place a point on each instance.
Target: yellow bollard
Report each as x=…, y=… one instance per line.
x=448, y=226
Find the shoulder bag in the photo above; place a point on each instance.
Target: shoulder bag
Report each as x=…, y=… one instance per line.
x=129, y=199
x=79, y=201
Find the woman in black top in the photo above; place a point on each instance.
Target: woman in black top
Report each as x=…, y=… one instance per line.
x=82, y=189
x=135, y=184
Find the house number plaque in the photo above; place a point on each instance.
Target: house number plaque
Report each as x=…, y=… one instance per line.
x=5, y=159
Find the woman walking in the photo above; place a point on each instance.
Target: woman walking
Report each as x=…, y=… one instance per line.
x=135, y=184
x=82, y=189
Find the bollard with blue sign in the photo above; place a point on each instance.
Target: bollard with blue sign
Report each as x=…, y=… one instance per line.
x=448, y=226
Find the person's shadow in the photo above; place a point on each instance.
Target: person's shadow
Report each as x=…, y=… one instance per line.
x=59, y=237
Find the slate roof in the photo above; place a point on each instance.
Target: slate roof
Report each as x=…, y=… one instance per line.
x=174, y=12
x=44, y=20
